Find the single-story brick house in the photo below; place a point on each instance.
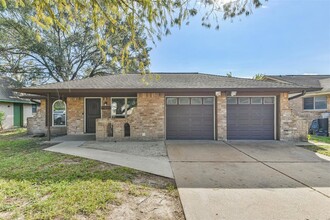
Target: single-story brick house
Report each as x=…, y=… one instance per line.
x=170, y=106
x=15, y=109
x=308, y=105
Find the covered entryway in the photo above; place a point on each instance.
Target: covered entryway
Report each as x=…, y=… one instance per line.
x=250, y=118
x=92, y=111
x=190, y=118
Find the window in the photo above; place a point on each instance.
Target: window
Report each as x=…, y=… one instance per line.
x=256, y=100
x=122, y=107
x=34, y=108
x=59, y=113
x=320, y=102
x=184, y=101
x=244, y=100
x=172, y=101
x=315, y=103
x=208, y=101
x=196, y=101
x=231, y=100
x=268, y=100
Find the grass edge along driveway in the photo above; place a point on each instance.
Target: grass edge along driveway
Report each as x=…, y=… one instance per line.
x=35, y=184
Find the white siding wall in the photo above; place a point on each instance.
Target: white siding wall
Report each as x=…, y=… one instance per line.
x=8, y=109
x=27, y=112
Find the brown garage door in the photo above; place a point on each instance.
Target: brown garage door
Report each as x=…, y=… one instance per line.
x=250, y=118
x=189, y=118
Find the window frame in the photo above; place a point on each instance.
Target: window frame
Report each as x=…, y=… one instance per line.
x=247, y=98
x=125, y=98
x=269, y=103
x=314, y=102
x=174, y=98
x=34, y=108
x=65, y=118
x=233, y=98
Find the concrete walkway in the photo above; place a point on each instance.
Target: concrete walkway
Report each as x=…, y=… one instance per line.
x=155, y=165
x=250, y=180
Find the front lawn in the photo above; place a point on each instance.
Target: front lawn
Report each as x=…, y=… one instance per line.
x=317, y=139
x=318, y=146
x=36, y=184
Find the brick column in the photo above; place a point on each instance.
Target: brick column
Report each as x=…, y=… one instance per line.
x=75, y=115
x=285, y=119
x=221, y=102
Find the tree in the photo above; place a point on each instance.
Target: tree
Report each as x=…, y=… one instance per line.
x=62, y=55
x=230, y=74
x=128, y=16
x=259, y=76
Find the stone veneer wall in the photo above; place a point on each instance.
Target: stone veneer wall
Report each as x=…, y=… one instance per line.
x=292, y=126
x=221, y=102
x=147, y=122
x=37, y=123
x=297, y=108
x=75, y=115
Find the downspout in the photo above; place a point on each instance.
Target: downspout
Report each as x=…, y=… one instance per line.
x=299, y=95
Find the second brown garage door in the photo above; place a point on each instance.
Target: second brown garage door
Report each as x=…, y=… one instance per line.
x=250, y=118
x=190, y=118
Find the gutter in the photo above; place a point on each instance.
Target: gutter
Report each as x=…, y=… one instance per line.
x=299, y=95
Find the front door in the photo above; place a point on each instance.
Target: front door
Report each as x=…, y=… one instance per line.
x=18, y=115
x=93, y=111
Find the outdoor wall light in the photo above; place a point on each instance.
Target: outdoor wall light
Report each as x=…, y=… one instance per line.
x=233, y=93
x=105, y=103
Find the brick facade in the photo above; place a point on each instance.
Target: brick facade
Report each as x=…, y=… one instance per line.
x=221, y=111
x=147, y=122
x=75, y=115
x=37, y=123
x=297, y=107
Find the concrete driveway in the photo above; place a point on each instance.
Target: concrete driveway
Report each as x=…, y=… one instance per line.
x=250, y=180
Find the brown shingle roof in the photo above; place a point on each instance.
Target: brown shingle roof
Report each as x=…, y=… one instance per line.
x=165, y=81
x=303, y=80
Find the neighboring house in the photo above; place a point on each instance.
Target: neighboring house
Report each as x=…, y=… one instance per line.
x=16, y=109
x=175, y=106
x=310, y=105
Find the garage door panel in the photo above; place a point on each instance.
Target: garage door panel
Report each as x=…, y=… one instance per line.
x=189, y=122
x=250, y=121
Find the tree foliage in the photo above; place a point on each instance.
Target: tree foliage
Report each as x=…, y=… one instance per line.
x=62, y=55
x=259, y=76
x=108, y=17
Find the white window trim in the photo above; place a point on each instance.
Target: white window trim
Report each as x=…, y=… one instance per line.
x=240, y=103
x=315, y=109
x=125, y=98
x=256, y=103
x=53, y=114
x=263, y=101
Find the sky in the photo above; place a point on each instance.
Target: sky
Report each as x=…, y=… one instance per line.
x=282, y=37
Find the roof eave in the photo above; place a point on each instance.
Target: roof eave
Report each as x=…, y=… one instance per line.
x=43, y=91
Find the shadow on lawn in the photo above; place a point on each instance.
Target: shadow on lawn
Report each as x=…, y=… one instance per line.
x=25, y=160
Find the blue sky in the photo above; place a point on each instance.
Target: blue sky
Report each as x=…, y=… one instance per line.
x=283, y=37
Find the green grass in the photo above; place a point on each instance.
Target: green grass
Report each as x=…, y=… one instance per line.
x=319, y=148
x=319, y=139
x=36, y=184
x=325, y=150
